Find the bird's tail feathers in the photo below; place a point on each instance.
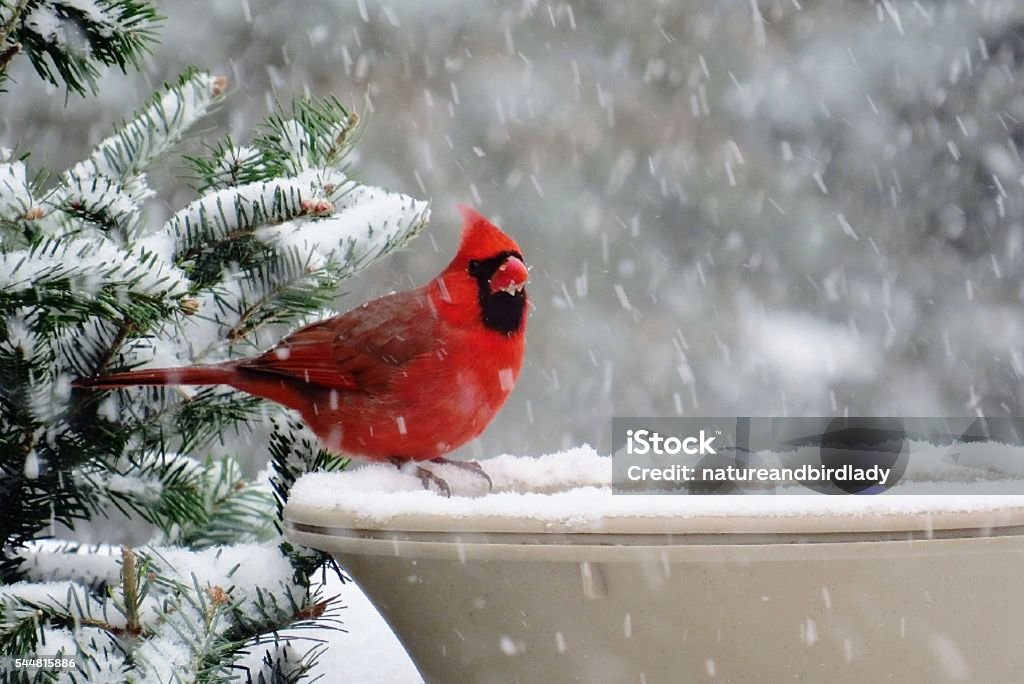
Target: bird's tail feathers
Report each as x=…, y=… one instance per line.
x=189, y=375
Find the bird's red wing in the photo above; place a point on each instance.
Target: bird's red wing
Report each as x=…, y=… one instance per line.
x=306, y=355
x=358, y=351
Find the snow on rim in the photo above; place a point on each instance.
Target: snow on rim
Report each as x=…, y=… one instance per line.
x=570, y=491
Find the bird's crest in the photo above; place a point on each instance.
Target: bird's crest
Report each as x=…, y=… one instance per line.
x=481, y=239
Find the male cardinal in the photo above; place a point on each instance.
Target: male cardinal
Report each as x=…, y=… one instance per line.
x=406, y=377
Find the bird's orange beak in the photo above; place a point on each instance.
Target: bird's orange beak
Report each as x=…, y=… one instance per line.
x=510, y=277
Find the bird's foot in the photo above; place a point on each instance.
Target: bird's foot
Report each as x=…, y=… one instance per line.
x=426, y=477
x=472, y=466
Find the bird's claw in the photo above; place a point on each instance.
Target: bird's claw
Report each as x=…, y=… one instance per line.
x=427, y=476
x=472, y=466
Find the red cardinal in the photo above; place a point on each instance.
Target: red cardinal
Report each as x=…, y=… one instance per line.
x=406, y=377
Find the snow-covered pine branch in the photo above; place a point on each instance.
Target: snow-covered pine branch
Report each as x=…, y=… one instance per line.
x=104, y=192
x=70, y=40
x=171, y=614
x=55, y=290
x=222, y=505
x=280, y=226
x=107, y=188
x=15, y=195
x=86, y=287
x=90, y=267
x=318, y=134
x=154, y=130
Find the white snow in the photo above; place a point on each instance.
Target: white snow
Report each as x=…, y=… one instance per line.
x=71, y=595
x=161, y=243
x=295, y=141
x=58, y=641
x=509, y=646
x=49, y=561
x=243, y=567
x=364, y=220
x=20, y=332
x=364, y=650
x=358, y=224
x=15, y=198
x=276, y=200
x=161, y=658
x=359, y=227
x=37, y=592
x=109, y=668
x=156, y=129
x=98, y=193
x=367, y=651
x=142, y=489
x=93, y=263
x=102, y=18
x=105, y=18
x=44, y=22
x=237, y=157
x=573, y=487
x=32, y=465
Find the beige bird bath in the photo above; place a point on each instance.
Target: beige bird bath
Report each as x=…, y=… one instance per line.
x=570, y=583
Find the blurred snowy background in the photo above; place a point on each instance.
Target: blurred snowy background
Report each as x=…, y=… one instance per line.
x=731, y=207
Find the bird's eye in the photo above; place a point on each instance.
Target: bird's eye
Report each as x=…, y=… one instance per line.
x=474, y=267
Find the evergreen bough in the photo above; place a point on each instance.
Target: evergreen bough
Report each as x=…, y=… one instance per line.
x=88, y=285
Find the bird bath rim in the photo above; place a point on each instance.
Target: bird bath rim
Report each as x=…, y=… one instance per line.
x=377, y=510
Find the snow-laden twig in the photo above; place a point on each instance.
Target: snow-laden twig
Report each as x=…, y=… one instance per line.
x=154, y=130
x=68, y=40
x=15, y=190
x=92, y=265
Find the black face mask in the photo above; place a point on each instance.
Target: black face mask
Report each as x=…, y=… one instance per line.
x=502, y=311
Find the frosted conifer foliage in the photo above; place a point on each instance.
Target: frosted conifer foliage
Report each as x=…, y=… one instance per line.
x=88, y=286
